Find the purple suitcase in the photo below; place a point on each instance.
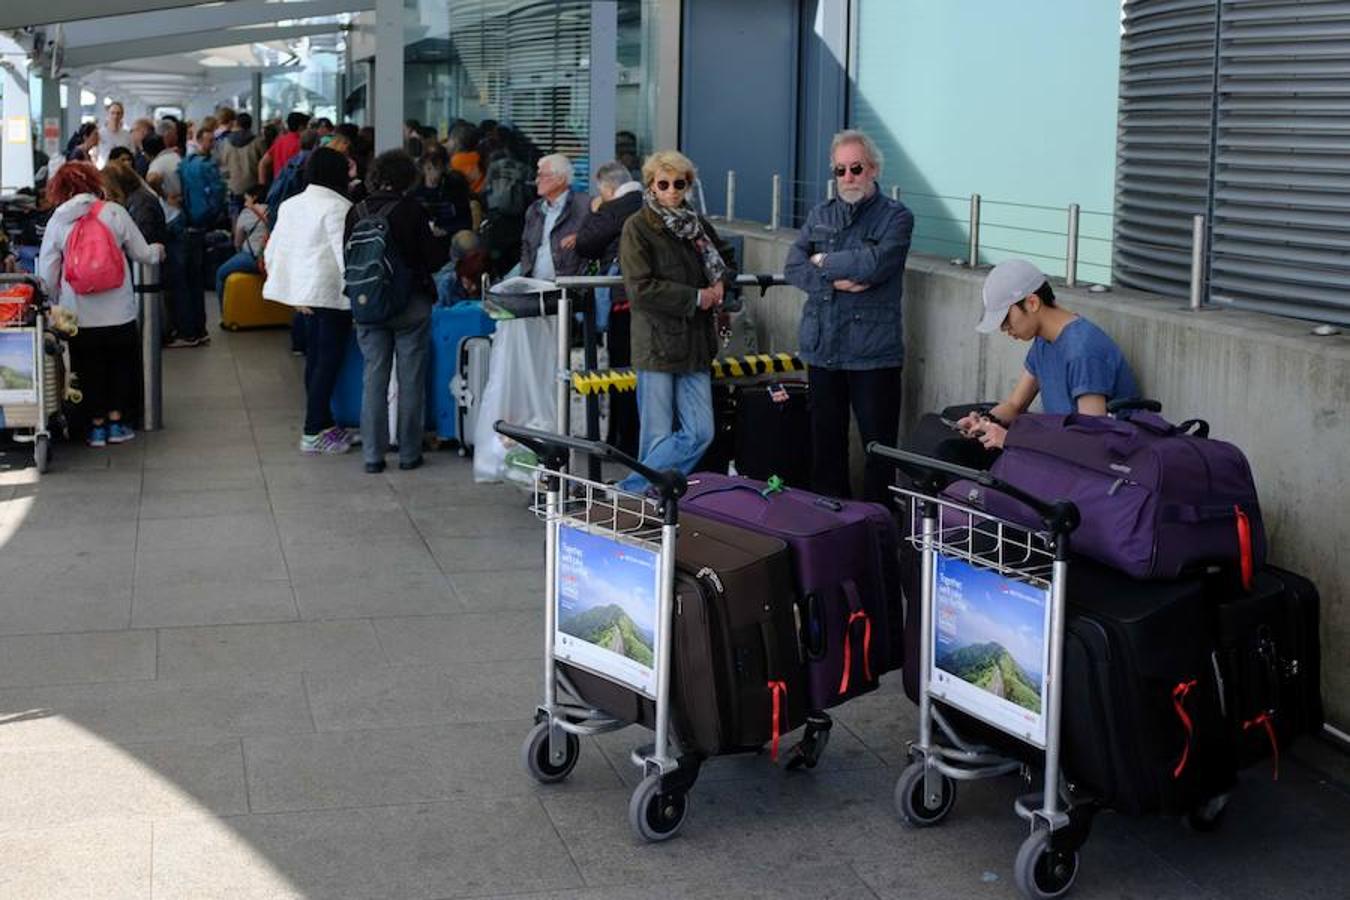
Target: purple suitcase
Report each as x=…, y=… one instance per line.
x=1156, y=499
x=846, y=559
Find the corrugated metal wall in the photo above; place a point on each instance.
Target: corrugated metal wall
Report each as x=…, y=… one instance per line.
x=1238, y=110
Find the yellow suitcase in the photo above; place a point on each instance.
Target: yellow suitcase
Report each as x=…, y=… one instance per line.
x=244, y=307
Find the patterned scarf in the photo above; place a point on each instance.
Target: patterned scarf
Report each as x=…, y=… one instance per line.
x=685, y=224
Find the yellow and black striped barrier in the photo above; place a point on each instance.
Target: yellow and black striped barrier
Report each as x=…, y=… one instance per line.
x=601, y=382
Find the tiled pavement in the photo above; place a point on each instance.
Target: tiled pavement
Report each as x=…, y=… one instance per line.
x=227, y=671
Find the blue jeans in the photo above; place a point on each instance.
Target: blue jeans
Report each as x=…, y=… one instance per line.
x=667, y=400
x=404, y=338
x=326, y=338
x=243, y=261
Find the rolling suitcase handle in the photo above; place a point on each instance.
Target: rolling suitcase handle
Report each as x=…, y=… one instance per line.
x=554, y=448
x=1060, y=516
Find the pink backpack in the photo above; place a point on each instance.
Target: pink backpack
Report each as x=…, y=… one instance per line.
x=93, y=261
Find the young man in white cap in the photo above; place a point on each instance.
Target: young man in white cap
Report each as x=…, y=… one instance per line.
x=1072, y=364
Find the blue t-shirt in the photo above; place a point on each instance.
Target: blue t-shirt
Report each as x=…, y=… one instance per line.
x=1082, y=360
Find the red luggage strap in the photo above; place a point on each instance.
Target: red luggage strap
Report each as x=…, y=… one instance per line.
x=1267, y=721
x=1179, y=694
x=779, y=691
x=858, y=614
x=1244, y=532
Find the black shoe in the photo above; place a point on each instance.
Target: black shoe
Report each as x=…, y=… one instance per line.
x=408, y=466
x=375, y=468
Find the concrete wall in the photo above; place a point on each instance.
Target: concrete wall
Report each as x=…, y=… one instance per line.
x=1263, y=383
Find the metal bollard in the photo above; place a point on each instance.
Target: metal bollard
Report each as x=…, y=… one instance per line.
x=829, y=189
x=1071, y=251
x=731, y=194
x=775, y=209
x=485, y=282
x=152, y=362
x=895, y=192
x=973, y=260
x=1197, y=263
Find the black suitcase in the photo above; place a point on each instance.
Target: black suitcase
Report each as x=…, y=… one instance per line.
x=1142, y=730
x=717, y=458
x=773, y=432
x=736, y=678
x=1270, y=663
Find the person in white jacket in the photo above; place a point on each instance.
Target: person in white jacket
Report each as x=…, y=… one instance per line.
x=304, y=263
x=104, y=354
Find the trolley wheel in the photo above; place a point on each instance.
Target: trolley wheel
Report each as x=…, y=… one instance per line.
x=42, y=453
x=1208, y=816
x=534, y=754
x=910, y=802
x=1042, y=873
x=656, y=814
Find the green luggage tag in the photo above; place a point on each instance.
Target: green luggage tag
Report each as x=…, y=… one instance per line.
x=773, y=486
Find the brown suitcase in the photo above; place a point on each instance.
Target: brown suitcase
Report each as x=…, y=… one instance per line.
x=737, y=676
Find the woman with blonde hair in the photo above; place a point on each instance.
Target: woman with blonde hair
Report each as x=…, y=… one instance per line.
x=676, y=270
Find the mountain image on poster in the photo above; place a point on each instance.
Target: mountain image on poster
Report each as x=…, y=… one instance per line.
x=613, y=629
x=991, y=667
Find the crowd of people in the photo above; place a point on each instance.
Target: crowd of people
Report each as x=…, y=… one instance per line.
x=483, y=199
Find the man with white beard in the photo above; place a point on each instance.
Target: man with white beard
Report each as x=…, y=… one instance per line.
x=850, y=260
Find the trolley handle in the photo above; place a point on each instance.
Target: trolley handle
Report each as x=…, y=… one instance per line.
x=1060, y=516
x=554, y=448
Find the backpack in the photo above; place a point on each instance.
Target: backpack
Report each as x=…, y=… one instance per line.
x=93, y=261
x=203, y=191
x=377, y=281
x=289, y=182
x=506, y=191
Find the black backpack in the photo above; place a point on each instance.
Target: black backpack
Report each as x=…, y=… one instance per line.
x=377, y=281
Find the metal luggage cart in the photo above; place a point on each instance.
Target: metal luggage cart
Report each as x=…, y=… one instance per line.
x=581, y=512
x=34, y=382
x=1012, y=569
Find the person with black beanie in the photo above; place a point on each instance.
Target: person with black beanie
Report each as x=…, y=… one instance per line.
x=304, y=263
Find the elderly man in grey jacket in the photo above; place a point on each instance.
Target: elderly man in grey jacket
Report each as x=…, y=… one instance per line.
x=850, y=261
x=549, y=241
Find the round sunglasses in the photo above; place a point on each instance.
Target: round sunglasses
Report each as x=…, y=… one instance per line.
x=679, y=184
x=856, y=169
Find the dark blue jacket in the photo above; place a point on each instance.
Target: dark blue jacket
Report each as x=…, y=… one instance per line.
x=867, y=243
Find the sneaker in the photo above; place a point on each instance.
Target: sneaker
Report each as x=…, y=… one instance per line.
x=179, y=343
x=119, y=433
x=98, y=436
x=329, y=442
x=353, y=436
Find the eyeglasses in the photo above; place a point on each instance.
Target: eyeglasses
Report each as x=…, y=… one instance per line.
x=856, y=169
x=679, y=184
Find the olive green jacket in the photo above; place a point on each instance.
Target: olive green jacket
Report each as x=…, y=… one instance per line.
x=662, y=275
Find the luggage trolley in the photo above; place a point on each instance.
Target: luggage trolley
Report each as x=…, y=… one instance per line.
x=31, y=365
x=582, y=516
x=982, y=573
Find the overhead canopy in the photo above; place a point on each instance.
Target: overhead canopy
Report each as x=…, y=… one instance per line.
x=18, y=14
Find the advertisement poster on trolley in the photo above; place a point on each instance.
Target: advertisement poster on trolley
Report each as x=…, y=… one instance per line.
x=991, y=647
x=607, y=607
x=18, y=370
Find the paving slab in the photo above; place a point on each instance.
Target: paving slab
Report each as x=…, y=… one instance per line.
x=466, y=637
x=232, y=600
x=106, y=859
x=404, y=765
x=280, y=647
x=77, y=591
x=43, y=659
x=470, y=847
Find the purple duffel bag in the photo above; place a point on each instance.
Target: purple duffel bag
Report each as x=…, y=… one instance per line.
x=848, y=573
x=1156, y=499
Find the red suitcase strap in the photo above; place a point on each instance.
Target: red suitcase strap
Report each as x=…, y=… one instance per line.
x=858, y=614
x=779, y=691
x=1179, y=694
x=1267, y=720
x=1244, y=532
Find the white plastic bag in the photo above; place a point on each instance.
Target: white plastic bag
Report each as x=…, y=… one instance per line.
x=519, y=390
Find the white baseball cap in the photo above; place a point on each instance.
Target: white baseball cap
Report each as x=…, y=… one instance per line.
x=1008, y=283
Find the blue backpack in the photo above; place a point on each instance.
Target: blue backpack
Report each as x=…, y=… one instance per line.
x=203, y=191
x=289, y=182
x=376, y=280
